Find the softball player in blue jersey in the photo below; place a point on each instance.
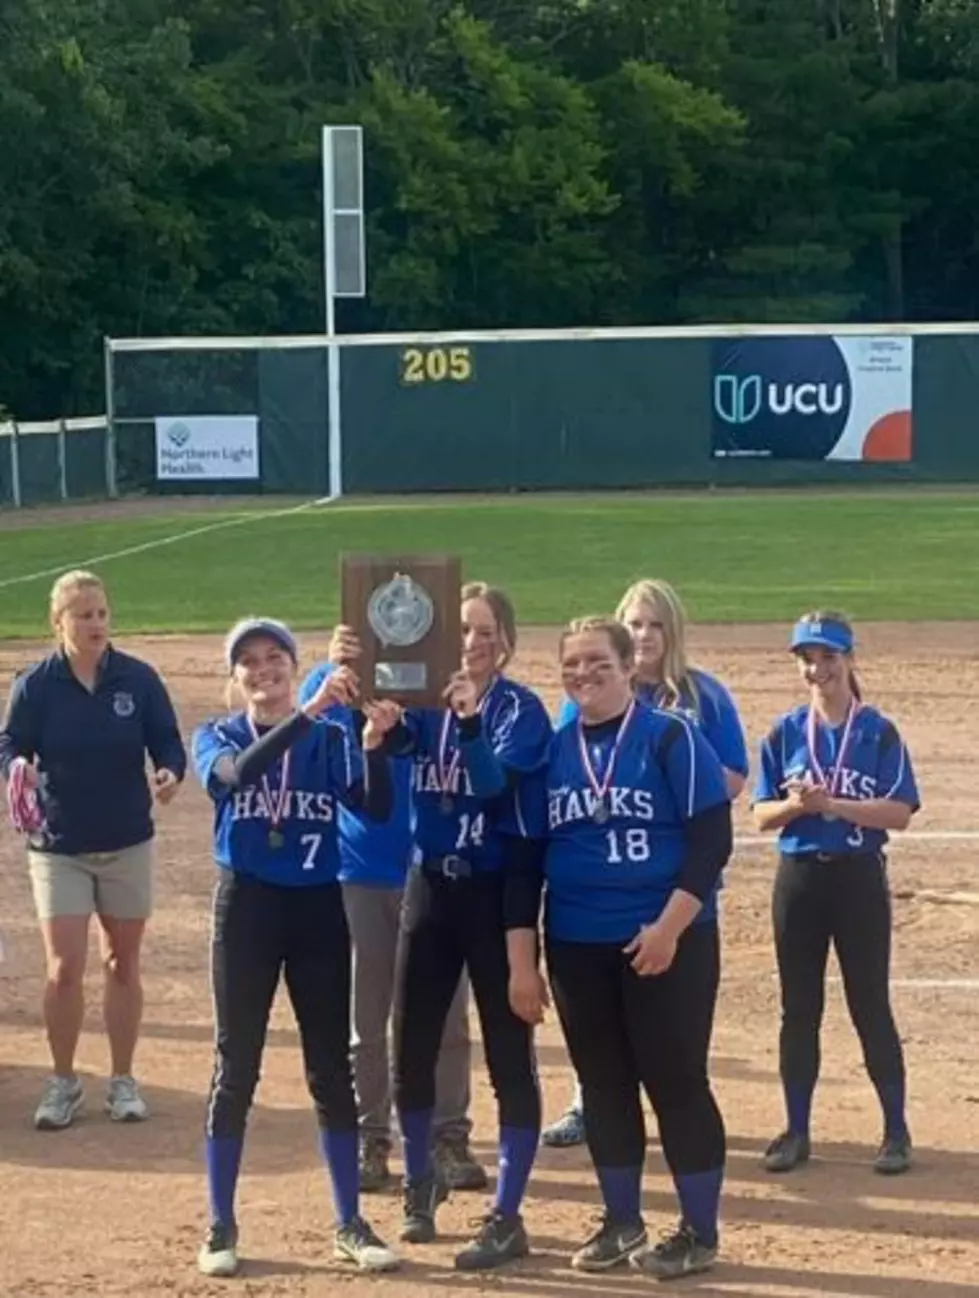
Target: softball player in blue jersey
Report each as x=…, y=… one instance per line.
x=275, y=776
x=655, y=617
x=835, y=777
x=639, y=830
x=467, y=909
x=374, y=862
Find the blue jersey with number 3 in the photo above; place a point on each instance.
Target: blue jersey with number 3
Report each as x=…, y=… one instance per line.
x=605, y=879
x=876, y=764
x=323, y=768
x=455, y=822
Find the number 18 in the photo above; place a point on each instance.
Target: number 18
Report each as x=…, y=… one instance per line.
x=635, y=842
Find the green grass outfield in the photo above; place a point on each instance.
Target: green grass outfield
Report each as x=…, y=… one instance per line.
x=735, y=557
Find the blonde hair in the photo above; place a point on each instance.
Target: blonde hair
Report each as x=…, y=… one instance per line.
x=618, y=635
x=678, y=679
x=830, y=615
x=501, y=606
x=64, y=590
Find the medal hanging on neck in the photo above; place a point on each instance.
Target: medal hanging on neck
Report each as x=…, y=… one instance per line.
x=276, y=804
x=602, y=812
x=812, y=738
x=448, y=768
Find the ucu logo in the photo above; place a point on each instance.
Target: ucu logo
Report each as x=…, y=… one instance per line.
x=739, y=401
x=791, y=396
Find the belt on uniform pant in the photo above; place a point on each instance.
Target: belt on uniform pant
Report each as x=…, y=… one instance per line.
x=448, y=867
x=825, y=857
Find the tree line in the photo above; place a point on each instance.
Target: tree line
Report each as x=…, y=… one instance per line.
x=528, y=163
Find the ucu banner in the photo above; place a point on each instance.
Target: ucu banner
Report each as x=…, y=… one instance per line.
x=812, y=397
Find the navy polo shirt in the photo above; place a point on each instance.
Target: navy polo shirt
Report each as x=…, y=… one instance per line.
x=91, y=750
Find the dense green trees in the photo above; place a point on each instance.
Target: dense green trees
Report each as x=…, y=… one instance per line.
x=529, y=162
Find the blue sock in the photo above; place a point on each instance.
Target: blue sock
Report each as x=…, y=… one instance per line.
x=416, y=1136
x=223, y=1157
x=798, y=1106
x=700, y=1196
x=622, y=1192
x=340, y=1149
x=518, y=1148
x=891, y=1096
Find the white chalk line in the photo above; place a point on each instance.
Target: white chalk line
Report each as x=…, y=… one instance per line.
x=235, y=521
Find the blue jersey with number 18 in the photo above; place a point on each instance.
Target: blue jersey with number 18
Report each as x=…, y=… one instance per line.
x=609, y=873
x=323, y=767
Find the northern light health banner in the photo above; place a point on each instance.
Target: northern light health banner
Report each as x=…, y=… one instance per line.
x=207, y=446
x=812, y=397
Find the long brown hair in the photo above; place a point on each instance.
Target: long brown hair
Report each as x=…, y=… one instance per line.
x=501, y=606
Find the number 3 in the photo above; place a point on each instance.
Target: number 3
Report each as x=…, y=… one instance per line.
x=855, y=839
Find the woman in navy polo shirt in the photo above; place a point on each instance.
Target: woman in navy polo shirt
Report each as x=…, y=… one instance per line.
x=78, y=727
x=835, y=778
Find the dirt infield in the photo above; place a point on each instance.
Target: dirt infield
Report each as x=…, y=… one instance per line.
x=99, y=1210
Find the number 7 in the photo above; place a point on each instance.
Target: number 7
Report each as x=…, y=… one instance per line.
x=312, y=843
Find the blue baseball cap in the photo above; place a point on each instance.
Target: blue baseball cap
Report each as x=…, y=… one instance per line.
x=251, y=626
x=825, y=634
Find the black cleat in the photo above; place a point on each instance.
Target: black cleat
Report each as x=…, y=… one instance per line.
x=612, y=1245
x=679, y=1254
x=421, y=1200
x=786, y=1152
x=500, y=1240
x=894, y=1155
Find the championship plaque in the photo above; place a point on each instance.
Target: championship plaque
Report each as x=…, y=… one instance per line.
x=405, y=611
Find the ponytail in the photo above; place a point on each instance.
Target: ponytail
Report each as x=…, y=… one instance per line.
x=855, y=686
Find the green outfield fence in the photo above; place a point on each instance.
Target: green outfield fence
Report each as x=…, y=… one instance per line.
x=575, y=409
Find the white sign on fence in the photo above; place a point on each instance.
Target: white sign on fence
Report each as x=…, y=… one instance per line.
x=207, y=446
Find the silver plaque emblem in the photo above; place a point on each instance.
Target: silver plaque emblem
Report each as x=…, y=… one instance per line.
x=401, y=612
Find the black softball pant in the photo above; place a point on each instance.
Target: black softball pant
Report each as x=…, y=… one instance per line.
x=451, y=925
x=843, y=900
x=624, y=1032
x=260, y=931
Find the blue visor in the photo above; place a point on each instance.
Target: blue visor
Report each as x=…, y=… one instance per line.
x=826, y=635
x=252, y=626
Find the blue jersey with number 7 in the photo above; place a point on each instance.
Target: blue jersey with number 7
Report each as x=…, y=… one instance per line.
x=299, y=849
x=614, y=851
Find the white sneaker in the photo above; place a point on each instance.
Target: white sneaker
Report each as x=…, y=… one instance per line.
x=124, y=1102
x=218, y=1255
x=358, y=1243
x=61, y=1099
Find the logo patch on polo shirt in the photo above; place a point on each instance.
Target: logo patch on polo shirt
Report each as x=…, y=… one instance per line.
x=123, y=705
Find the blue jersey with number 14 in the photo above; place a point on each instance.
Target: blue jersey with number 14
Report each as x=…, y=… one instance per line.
x=457, y=822
x=323, y=768
x=606, y=879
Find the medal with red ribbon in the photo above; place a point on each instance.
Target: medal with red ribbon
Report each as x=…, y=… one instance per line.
x=832, y=784
x=602, y=811
x=277, y=804
x=448, y=767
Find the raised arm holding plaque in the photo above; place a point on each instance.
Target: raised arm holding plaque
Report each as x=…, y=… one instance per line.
x=405, y=611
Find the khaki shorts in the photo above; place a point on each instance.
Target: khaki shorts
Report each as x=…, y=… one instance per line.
x=116, y=884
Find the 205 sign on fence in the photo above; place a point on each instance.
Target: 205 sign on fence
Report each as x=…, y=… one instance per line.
x=418, y=365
